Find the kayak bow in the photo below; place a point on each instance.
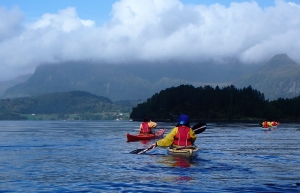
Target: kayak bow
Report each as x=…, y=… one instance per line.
x=140, y=136
x=189, y=151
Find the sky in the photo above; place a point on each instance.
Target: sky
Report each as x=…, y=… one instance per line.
x=35, y=32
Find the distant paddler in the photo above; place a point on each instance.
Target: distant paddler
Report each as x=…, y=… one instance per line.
x=147, y=125
x=266, y=124
x=274, y=123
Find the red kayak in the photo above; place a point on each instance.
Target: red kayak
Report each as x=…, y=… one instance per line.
x=137, y=137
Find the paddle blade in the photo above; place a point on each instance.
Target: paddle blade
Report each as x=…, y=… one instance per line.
x=137, y=151
x=199, y=128
x=141, y=151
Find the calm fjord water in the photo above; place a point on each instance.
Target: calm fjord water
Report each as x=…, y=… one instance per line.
x=93, y=156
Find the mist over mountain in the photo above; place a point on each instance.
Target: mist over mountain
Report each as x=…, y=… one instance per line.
x=278, y=78
x=7, y=84
x=100, y=80
x=123, y=82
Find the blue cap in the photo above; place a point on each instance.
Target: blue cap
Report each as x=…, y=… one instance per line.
x=183, y=120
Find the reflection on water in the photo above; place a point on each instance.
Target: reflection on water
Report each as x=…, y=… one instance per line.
x=176, y=161
x=93, y=156
x=144, y=141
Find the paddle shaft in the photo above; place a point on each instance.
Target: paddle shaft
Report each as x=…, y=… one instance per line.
x=156, y=114
x=144, y=151
x=199, y=128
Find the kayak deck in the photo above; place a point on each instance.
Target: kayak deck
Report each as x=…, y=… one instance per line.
x=189, y=151
x=140, y=136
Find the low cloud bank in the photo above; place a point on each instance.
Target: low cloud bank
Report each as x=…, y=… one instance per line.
x=150, y=31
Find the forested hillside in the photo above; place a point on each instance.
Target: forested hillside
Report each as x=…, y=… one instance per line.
x=64, y=105
x=208, y=103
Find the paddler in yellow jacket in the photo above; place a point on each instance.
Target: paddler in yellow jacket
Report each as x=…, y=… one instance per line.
x=181, y=135
x=266, y=124
x=147, y=126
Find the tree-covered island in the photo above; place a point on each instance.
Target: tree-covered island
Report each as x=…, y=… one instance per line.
x=216, y=104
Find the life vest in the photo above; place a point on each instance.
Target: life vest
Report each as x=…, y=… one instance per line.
x=182, y=137
x=265, y=124
x=274, y=123
x=145, y=128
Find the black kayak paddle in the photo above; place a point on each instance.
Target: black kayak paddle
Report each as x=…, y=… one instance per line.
x=199, y=128
x=141, y=151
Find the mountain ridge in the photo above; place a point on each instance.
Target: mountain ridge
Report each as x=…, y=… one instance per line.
x=116, y=82
x=276, y=78
x=10, y=83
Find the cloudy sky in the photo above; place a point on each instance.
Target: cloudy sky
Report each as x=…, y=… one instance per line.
x=33, y=32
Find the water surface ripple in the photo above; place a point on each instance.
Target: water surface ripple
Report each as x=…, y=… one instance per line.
x=93, y=156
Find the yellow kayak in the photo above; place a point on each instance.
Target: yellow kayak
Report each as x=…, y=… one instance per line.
x=187, y=151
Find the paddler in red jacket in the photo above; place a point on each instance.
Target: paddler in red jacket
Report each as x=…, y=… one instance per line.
x=274, y=123
x=181, y=135
x=147, y=126
x=266, y=124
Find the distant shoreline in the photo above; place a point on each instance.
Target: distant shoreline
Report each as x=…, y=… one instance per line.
x=70, y=117
x=258, y=121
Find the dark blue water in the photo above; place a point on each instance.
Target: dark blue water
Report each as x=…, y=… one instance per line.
x=83, y=156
